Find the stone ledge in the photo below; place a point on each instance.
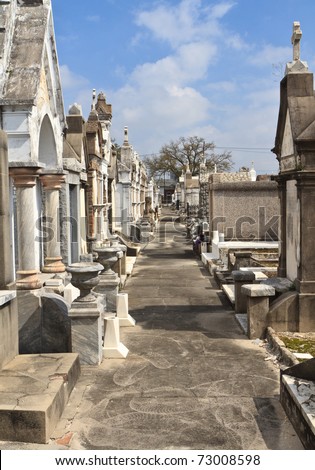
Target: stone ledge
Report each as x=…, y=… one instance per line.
x=280, y=284
x=229, y=290
x=34, y=390
x=6, y=296
x=206, y=257
x=278, y=347
x=258, y=290
x=243, y=275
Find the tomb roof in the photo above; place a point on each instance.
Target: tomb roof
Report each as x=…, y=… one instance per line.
x=25, y=60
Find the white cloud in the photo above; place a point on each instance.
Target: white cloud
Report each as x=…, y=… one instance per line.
x=236, y=42
x=157, y=115
x=70, y=79
x=189, y=63
x=221, y=9
x=270, y=54
x=185, y=22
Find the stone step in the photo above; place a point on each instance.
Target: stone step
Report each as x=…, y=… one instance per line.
x=34, y=390
x=229, y=290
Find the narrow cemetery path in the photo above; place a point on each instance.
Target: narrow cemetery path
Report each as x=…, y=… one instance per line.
x=192, y=380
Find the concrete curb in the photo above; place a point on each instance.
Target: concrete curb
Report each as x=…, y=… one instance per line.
x=278, y=347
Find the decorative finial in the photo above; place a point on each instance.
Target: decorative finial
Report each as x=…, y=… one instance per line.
x=296, y=40
x=93, y=99
x=126, y=134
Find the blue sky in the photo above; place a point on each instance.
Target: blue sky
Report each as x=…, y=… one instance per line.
x=174, y=68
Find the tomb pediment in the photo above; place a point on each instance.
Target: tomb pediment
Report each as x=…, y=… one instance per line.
x=296, y=118
x=25, y=60
x=308, y=135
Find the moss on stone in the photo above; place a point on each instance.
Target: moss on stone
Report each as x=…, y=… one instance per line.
x=300, y=345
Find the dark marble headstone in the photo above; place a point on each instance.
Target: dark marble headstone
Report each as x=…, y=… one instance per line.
x=29, y=322
x=56, y=324
x=44, y=324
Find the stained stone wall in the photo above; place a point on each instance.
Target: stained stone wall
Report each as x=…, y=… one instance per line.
x=204, y=193
x=245, y=210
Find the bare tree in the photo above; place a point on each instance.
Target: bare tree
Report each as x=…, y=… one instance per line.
x=187, y=151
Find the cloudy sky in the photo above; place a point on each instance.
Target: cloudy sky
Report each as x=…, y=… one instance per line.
x=174, y=68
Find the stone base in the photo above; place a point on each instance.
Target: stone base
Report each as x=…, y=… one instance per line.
x=54, y=265
x=86, y=329
x=34, y=390
x=86, y=334
x=54, y=286
x=120, y=352
x=122, y=310
x=126, y=321
x=70, y=293
x=28, y=280
x=113, y=348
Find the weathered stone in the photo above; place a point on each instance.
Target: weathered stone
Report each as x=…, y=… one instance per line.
x=242, y=217
x=257, y=308
x=34, y=392
x=258, y=290
x=240, y=278
x=280, y=284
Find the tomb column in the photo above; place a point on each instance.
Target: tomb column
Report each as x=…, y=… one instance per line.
x=25, y=180
x=6, y=272
x=282, y=191
x=52, y=185
x=305, y=281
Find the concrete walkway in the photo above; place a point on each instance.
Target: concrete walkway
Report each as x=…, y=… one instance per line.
x=192, y=380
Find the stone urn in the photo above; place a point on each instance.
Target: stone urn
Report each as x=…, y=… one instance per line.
x=107, y=256
x=85, y=276
x=116, y=243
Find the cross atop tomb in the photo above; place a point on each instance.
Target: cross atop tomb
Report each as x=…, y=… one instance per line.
x=296, y=39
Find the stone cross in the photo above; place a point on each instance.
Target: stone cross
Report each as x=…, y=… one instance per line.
x=296, y=39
